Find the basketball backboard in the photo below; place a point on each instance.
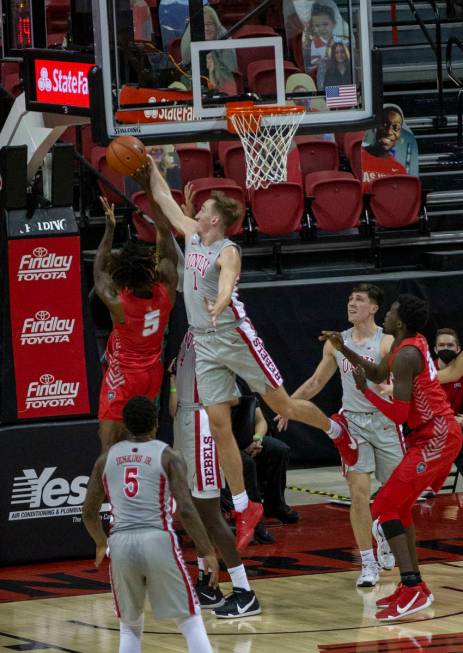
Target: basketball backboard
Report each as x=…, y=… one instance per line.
x=320, y=58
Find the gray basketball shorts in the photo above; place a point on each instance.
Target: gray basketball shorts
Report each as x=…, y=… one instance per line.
x=149, y=561
x=223, y=355
x=192, y=437
x=381, y=443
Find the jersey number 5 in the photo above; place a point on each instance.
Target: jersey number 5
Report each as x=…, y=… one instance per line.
x=151, y=324
x=131, y=485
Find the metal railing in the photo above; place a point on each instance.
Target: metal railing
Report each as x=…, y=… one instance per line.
x=454, y=41
x=436, y=46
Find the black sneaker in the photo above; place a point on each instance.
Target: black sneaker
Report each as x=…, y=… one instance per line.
x=240, y=603
x=262, y=536
x=209, y=597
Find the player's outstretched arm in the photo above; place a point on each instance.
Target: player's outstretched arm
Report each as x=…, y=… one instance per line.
x=104, y=286
x=175, y=469
x=453, y=372
x=161, y=194
x=91, y=509
x=376, y=373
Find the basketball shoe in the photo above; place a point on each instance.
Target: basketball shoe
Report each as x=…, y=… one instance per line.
x=369, y=576
x=384, y=554
x=345, y=443
x=240, y=603
x=408, y=600
x=209, y=597
x=246, y=522
x=387, y=600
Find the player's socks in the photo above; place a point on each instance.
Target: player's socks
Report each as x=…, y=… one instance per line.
x=409, y=579
x=367, y=556
x=334, y=430
x=240, y=501
x=239, y=578
x=193, y=630
x=130, y=636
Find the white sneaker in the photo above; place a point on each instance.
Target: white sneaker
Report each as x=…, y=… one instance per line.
x=384, y=554
x=369, y=576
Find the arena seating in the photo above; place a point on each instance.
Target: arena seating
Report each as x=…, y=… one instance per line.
x=278, y=209
x=396, y=201
x=335, y=200
x=194, y=162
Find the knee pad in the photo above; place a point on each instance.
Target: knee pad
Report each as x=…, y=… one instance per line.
x=392, y=528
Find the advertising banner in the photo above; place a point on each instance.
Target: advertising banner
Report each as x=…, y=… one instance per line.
x=62, y=82
x=47, y=327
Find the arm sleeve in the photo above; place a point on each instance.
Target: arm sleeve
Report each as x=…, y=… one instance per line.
x=396, y=410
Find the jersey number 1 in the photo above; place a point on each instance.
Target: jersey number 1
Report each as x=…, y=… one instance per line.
x=131, y=485
x=151, y=323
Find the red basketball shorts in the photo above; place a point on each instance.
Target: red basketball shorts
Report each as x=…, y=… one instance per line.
x=431, y=452
x=119, y=386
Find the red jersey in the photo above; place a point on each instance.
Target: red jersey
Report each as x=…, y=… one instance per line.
x=428, y=399
x=454, y=392
x=137, y=342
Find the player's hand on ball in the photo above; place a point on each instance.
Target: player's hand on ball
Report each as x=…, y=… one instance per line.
x=282, y=423
x=334, y=337
x=211, y=566
x=100, y=554
x=143, y=175
x=108, y=211
x=359, y=377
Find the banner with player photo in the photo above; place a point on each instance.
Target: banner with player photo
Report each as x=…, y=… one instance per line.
x=390, y=149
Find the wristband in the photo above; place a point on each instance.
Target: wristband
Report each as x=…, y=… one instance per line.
x=257, y=437
x=173, y=390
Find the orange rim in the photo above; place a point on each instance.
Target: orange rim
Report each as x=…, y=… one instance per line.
x=254, y=113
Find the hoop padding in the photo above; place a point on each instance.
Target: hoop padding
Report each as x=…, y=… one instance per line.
x=266, y=133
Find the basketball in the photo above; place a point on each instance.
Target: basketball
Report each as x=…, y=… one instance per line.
x=125, y=154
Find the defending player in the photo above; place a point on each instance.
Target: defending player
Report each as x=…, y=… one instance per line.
x=226, y=343
x=192, y=437
x=139, y=295
x=433, y=443
x=141, y=477
x=380, y=442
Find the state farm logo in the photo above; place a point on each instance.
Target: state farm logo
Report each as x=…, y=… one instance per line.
x=46, y=495
x=44, y=82
x=49, y=392
x=68, y=81
x=43, y=265
x=43, y=328
x=168, y=114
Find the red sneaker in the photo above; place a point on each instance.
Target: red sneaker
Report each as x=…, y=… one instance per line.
x=345, y=443
x=387, y=600
x=246, y=522
x=408, y=601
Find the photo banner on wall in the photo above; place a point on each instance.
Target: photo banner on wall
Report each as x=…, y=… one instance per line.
x=390, y=149
x=47, y=330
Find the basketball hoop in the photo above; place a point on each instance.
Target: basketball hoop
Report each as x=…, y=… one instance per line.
x=266, y=132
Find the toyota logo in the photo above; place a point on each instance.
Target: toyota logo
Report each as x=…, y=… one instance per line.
x=47, y=378
x=42, y=315
x=40, y=251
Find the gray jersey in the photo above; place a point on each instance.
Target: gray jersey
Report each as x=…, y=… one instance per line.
x=187, y=391
x=201, y=281
x=352, y=399
x=137, y=486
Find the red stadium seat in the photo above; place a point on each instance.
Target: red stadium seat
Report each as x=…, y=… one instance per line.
x=317, y=154
x=146, y=231
x=204, y=187
x=278, y=209
x=353, y=151
x=245, y=56
x=194, y=162
x=99, y=162
x=254, y=31
x=262, y=77
x=231, y=158
x=336, y=199
x=396, y=201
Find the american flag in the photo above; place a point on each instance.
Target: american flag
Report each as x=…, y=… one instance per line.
x=341, y=96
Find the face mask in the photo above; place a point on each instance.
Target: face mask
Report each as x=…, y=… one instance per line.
x=447, y=355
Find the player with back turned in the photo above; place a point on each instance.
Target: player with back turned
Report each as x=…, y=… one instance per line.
x=141, y=477
x=433, y=443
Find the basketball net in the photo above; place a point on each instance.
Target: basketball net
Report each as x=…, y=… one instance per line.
x=266, y=140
